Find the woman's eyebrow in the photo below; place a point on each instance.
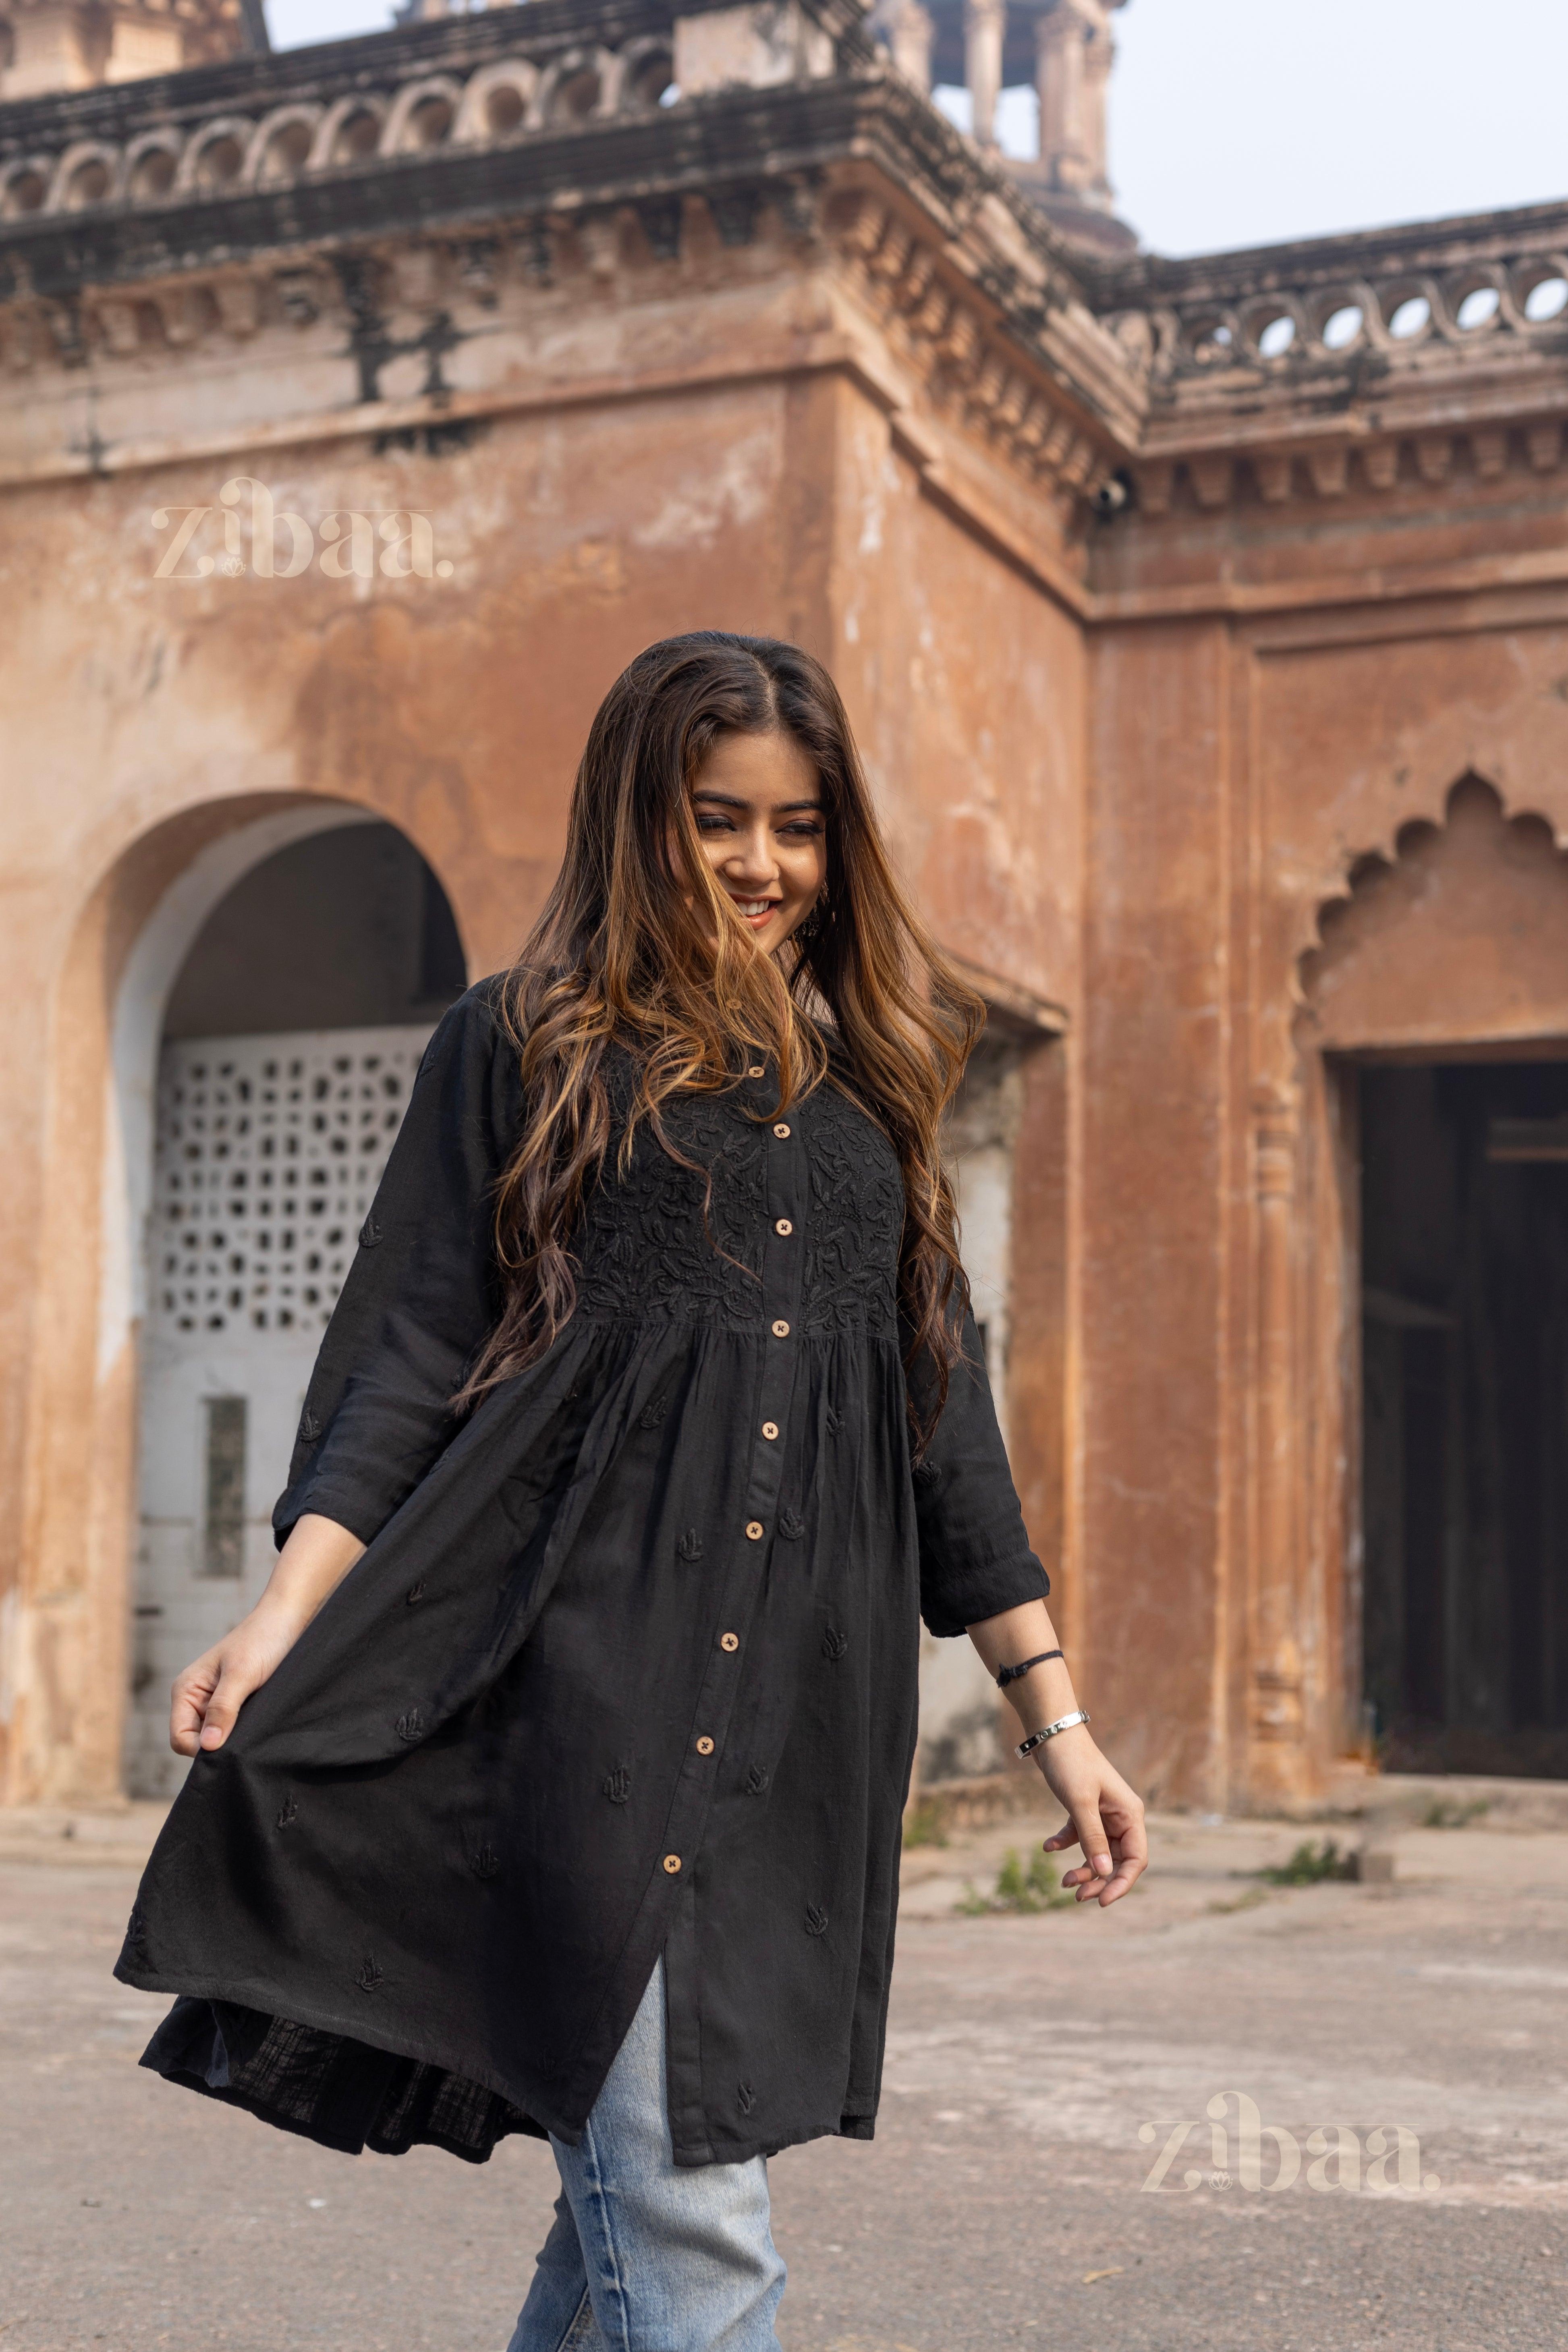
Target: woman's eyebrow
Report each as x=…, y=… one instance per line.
x=734, y=799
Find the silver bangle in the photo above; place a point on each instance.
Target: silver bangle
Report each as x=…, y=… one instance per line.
x=1048, y=1731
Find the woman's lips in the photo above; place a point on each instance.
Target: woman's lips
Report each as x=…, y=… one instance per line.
x=758, y=912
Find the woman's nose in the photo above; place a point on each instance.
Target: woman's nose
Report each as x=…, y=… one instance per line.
x=751, y=859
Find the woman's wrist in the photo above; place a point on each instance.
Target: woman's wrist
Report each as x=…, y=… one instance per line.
x=282, y=1612
x=1042, y=1697
x=309, y=1569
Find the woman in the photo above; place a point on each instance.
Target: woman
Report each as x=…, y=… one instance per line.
x=555, y=1784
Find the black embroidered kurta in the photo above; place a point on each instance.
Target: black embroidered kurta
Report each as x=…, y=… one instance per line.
x=630, y=1665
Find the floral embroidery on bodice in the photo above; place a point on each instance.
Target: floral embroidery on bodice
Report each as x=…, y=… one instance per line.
x=671, y=1244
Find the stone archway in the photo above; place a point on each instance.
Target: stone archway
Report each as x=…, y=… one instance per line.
x=68, y=1612
x=290, y=1039
x=1435, y=1023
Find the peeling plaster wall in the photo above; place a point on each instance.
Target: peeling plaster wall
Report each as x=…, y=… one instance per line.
x=153, y=718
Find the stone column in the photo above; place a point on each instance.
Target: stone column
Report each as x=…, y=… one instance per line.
x=1073, y=57
x=1099, y=56
x=984, y=26
x=909, y=33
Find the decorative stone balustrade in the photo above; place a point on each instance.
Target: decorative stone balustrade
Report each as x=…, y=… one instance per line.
x=435, y=172
x=536, y=91
x=1348, y=366
x=414, y=190
x=1279, y=336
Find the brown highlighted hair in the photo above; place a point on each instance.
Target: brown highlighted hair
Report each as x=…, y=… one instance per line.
x=638, y=946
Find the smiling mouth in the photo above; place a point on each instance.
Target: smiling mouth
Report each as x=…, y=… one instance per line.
x=753, y=911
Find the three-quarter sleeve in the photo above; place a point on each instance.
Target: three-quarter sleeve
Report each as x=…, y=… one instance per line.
x=422, y=1291
x=975, y=1559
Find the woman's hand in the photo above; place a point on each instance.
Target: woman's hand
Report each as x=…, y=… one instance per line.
x=207, y=1697
x=1106, y=1817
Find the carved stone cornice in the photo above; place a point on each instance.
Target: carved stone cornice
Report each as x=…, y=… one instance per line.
x=498, y=140
x=143, y=217
x=975, y=367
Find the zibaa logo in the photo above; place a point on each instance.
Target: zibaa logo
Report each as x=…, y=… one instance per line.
x=347, y=544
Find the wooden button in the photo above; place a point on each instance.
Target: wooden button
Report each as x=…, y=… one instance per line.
x=672, y=1864
x=770, y=1429
x=782, y=1130
x=754, y=1530
x=781, y=1330
x=705, y=1747
x=755, y=1071
x=784, y=1227
x=729, y=1640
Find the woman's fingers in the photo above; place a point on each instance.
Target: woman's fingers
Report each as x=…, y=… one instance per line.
x=188, y=1702
x=1092, y=1835
x=1107, y=1820
x=232, y=1690
x=1131, y=1848
x=205, y=1700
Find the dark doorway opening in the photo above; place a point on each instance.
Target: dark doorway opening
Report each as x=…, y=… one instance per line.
x=1465, y=1414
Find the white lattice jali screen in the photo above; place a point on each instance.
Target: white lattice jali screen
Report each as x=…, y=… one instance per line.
x=269, y=1151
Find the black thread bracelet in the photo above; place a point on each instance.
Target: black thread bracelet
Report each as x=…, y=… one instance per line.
x=1015, y=1673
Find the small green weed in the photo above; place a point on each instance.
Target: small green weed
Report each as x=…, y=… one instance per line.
x=923, y=1824
x=1036, y=1889
x=1247, y=1902
x=1448, y=1813
x=1310, y=1865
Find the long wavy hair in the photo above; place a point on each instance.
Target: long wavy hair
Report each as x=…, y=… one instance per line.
x=639, y=947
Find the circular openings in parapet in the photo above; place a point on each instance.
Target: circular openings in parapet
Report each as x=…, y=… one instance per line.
x=1478, y=309
x=151, y=173
x=1212, y=340
x=429, y=122
x=1547, y=299
x=358, y=134
x=576, y=93
x=647, y=79
x=1410, y=317
x=286, y=154
x=1345, y=325
x=219, y=164
x=505, y=106
x=497, y=102
x=88, y=185
x=23, y=190
x=1277, y=336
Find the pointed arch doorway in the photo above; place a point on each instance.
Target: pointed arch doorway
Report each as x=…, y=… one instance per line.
x=289, y=1040
x=1439, y=997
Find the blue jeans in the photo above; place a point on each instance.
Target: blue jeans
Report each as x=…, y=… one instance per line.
x=646, y=2256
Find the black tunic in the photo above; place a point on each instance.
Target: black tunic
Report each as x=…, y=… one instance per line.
x=630, y=1665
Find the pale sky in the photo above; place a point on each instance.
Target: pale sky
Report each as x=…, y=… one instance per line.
x=1241, y=121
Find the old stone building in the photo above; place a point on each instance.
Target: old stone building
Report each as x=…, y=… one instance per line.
x=1205, y=625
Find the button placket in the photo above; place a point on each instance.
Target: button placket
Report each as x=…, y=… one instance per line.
x=751, y=1545
x=783, y=1263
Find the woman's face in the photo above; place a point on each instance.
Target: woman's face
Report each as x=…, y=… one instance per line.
x=758, y=805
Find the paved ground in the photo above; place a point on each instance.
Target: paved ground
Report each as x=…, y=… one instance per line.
x=1002, y=2203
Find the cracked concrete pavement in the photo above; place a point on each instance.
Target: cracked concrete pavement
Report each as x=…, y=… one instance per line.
x=1003, y=2202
